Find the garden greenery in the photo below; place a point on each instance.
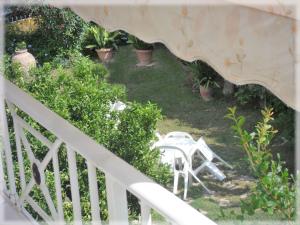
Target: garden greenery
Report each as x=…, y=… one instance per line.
x=258, y=96
x=246, y=94
x=79, y=93
x=274, y=191
x=138, y=43
x=203, y=75
x=21, y=46
x=57, y=30
x=101, y=38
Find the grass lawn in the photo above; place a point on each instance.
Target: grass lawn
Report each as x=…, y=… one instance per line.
x=165, y=83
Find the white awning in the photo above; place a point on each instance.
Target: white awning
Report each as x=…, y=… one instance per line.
x=244, y=43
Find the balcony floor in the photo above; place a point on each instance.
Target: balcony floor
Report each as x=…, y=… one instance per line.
x=9, y=215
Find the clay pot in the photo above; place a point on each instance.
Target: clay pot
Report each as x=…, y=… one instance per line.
x=105, y=54
x=25, y=59
x=144, y=56
x=206, y=93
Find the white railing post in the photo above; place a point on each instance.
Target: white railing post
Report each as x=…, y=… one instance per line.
x=6, y=142
x=2, y=179
x=2, y=97
x=94, y=196
x=58, y=186
x=18, y=145
x=2, y=176
x=145, y=214
x=74, y=185
x=117, y=202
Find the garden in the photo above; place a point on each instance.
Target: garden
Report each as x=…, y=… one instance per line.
x=79, y=69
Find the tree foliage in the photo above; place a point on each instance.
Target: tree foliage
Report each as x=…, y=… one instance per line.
x=274, y=191
x=58, y=30
x=79, y=93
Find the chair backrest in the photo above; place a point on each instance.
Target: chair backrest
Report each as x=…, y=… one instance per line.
x=179, y=134
x=204, y=149
x=158, y=135
x=156, y=141
x=173, y=155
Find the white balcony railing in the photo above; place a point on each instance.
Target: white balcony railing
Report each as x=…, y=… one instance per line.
x=120, y=177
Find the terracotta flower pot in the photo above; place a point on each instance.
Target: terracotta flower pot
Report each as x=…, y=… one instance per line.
x=144, y=56
x=25, y=59
x=105, y=54
x=206, y=93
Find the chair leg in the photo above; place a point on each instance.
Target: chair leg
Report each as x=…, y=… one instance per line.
x=190, y=180
x=203, y=185
x=196, y=171
x=223, y=161
x=176, y=175
x=186, y=181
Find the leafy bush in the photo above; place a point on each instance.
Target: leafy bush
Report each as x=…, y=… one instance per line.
x=284, y=118
x=13, y=35
x=274, y=191
x=203, y=74
x=251, y=93
x=284, y=115
x=79, y=93
x=57, y=31
x=12, y=70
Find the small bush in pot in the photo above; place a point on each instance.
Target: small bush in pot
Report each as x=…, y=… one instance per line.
x=20, y=46
x=143, y=50
x=204, y=79
x=104, y=42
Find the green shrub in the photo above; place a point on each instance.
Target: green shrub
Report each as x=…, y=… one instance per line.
x=247, y=94
x=274, y=191
x=203, y=74
x=79, y=93
x=256, y=95
x=284, y=118
x=13, y=70
x=58, y=30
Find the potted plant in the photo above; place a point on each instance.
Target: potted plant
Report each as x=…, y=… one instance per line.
x=23, y=57
x=21, y=47
x=143, y=50
x=204, y=79
x=104, y=42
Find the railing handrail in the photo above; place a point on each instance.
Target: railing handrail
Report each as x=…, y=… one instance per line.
x=134, y=181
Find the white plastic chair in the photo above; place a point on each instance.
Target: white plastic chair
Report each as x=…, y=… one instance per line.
x=153, y=143
x=206, y=153
x=212, y=169
x=158, y=135
x=179, y=134
x=177, y=158
x=117, y=106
